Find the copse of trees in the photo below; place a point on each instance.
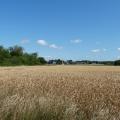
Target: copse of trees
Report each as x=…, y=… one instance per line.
x=16, y=56
x=117, y=63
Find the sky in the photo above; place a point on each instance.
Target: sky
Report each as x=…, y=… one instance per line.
x=66, y=29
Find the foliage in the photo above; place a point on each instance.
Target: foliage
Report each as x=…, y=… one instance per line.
x=16, y=56
x=117, y=62
x=59, y=62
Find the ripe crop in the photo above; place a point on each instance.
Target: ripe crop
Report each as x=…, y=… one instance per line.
x=60, y=93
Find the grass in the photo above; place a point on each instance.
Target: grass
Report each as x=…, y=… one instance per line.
x=60, y=93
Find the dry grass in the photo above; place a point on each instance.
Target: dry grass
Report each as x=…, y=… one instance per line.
x=60, y=93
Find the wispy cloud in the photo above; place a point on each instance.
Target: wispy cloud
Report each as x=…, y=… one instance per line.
x=95, y=50
x=44, y=43
x=55, y=46
x=118, y=49
x=25, y=41
x=76, y=41
x=98, y=50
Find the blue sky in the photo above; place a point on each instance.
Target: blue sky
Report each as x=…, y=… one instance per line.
x=67, y=29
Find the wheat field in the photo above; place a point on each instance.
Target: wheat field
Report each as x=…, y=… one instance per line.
x=60, y=93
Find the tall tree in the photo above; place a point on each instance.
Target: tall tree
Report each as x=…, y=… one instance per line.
x=16, y=51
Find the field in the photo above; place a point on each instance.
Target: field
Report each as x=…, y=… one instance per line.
x=60, y=93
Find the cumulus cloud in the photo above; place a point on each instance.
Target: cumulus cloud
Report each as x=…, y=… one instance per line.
x=76, y=41
x=42, y=42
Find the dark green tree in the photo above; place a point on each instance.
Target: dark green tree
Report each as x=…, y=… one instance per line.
x=16, y=51
x=42, y=60
x=59, y=62
x=15, y=56
x=117, y=63
x=4, y=55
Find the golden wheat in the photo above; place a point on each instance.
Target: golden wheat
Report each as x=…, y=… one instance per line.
x=60, y=93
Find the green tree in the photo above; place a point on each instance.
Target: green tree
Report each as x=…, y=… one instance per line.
x=117, y=62
x=4, y=54
x=42, y=60
x=59, y=62
x=16, y=51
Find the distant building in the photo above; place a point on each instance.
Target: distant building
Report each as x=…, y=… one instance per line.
x=56, y=62
x=69, y=62
x=52, y=62
x=83, y=62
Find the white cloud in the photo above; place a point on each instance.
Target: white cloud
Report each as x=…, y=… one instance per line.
x=99, y=50
x=118, y=49
x=76, y=41
x=55, y=46
x=25, y=41
x=42, y=42
x=95, y=50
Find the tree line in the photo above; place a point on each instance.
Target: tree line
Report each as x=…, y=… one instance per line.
x=15, y=55
x=113, y=63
